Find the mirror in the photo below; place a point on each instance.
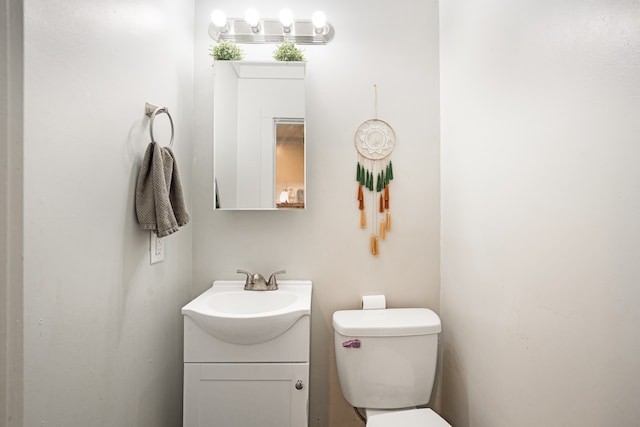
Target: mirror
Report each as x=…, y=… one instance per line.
x=259, y=135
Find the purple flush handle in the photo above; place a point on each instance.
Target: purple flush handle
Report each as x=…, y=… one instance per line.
x=354, y=343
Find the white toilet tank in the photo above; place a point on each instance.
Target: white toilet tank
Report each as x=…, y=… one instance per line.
x=386, y=358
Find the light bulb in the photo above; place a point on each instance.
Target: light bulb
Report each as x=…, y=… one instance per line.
x=319, y=19
x=286, y=18
x=252, y=17
x=218, y=18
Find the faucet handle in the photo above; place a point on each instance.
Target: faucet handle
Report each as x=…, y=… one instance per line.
x=273, y=283
x=248, y=282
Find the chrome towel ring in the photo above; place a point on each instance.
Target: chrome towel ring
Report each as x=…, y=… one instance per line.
x=151, y=111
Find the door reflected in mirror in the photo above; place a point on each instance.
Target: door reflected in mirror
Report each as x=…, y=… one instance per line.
x=290, y=163
x=259, y=135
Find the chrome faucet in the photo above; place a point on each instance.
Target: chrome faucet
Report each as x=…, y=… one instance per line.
x=257, y=282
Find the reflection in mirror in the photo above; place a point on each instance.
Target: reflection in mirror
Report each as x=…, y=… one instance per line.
x=259, y=143
x=290, y=163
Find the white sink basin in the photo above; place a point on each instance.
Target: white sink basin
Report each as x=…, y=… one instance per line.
x=236, y=316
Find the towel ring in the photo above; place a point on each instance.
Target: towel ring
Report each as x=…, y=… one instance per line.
x=151, y=111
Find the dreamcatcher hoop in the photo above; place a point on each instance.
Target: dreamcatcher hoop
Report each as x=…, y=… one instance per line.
x=375, y=139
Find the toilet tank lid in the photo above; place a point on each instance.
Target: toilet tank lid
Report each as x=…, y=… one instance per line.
x=386, y=322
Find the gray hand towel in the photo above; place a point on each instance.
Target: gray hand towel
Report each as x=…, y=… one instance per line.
x=159, y=200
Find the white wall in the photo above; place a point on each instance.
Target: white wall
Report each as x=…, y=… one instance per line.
x=540, y=208
x=540, y=203
x=103, y=328
x=11, y=213
x=324, y=243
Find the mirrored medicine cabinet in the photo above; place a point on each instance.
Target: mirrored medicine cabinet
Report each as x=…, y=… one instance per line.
x=259, y=135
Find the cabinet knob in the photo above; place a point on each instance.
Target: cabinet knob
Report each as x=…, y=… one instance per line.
x=299, y=385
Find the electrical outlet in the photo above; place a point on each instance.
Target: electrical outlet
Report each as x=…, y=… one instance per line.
x=156, y=248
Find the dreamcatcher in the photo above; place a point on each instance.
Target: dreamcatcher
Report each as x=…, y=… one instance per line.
x=374, y=141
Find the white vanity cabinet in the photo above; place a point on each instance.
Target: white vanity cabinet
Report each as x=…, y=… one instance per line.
x=262, y=384
x=246, y=394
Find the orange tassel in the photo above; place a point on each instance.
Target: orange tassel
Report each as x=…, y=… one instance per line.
x=361, y=206
x=383, y=230
x=388, y=221
x=363, y=219
x=381, y=204
x=386, y=196
x=360, y=195
x=374, y=244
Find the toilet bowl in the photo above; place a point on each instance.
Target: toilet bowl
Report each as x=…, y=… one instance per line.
x=386, y=362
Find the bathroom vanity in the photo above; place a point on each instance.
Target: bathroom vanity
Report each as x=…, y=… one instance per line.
x=246, y=356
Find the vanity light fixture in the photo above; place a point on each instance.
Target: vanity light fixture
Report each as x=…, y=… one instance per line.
x=219, y=19
x=286, y=19
x=252, y=29
x=319, y=20
x=253, y=19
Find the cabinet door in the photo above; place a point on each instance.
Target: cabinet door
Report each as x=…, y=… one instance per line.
x=246, y=395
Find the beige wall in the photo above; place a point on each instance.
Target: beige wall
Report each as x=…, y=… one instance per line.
x=324, y=243
x=540, y=213
x=102, y=327
x=289, y=166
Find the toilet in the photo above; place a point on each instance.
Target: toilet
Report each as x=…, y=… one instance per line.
x=386, y=360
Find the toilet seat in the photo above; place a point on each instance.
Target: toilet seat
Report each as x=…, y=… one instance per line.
x=407, y=418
